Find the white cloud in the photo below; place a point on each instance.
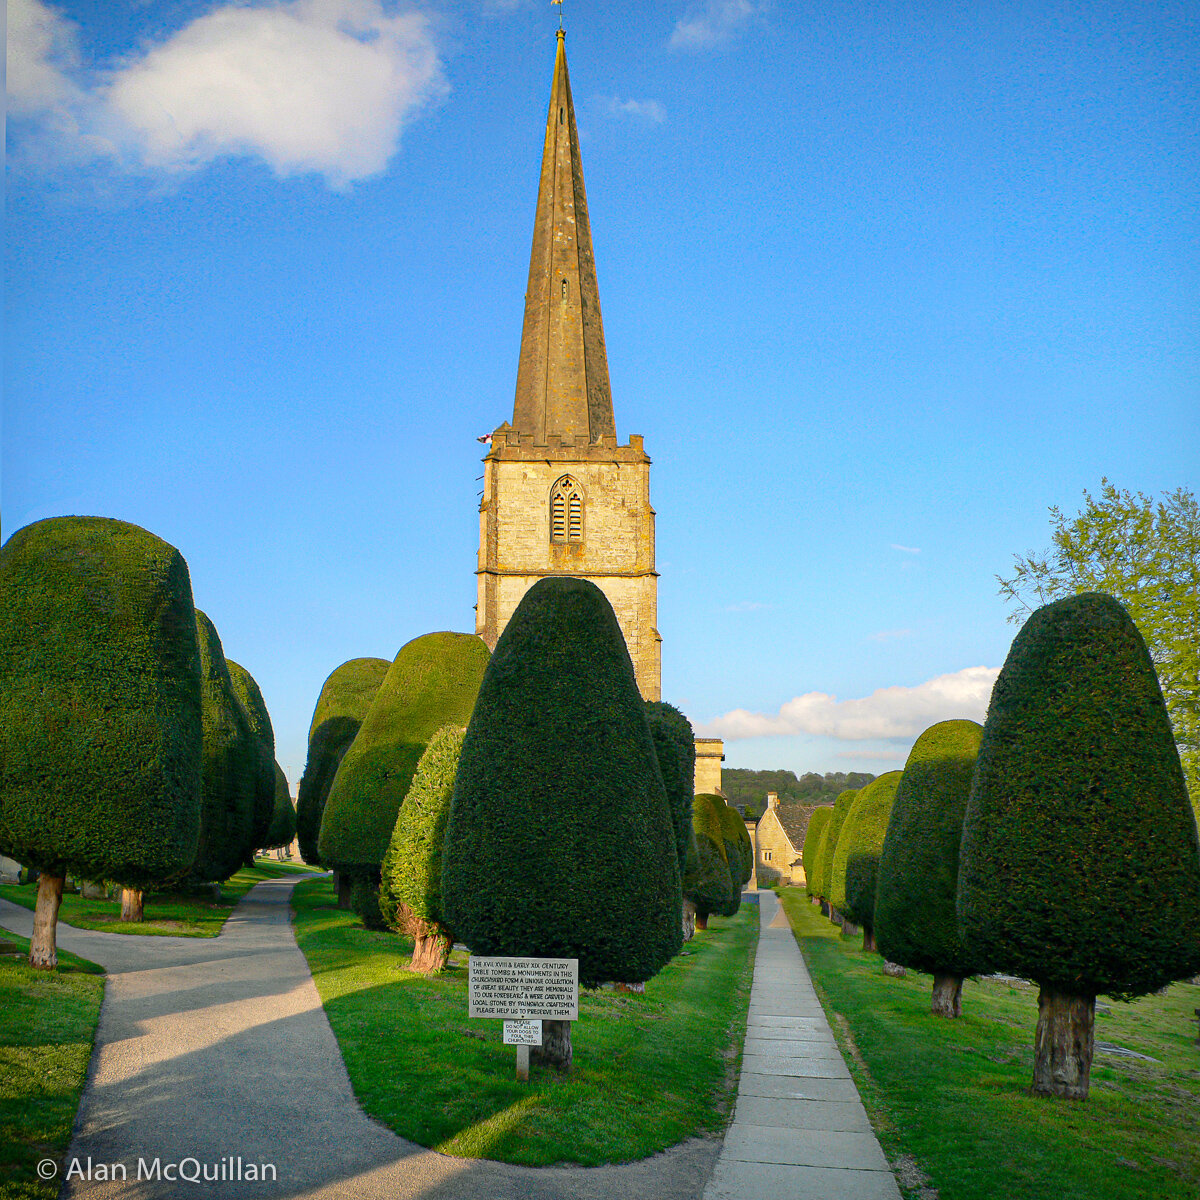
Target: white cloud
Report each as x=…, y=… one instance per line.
x=711, y=23
x=874, y=755
x=322, y=86
x=653, y=112
x=42, y=49
x=893, y=712
x=907, y=549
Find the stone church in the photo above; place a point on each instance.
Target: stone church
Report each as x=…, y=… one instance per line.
x=561, y=495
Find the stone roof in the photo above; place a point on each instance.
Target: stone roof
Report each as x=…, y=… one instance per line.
x=562, y=378
x=794, y=818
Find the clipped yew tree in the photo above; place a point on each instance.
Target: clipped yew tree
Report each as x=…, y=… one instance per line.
x=99, y=709
x=410, y=890
x=710, y=886
x=856, y=857
x=344, y=701
x=432, y=682
x=230, y=766
x=282, y=829
x=675, y=749
x=812, y=841
x=560, y=841
x=248, y=692
x=739, y=850
x=1079, y=866
x=833, y=829
x=915, y=921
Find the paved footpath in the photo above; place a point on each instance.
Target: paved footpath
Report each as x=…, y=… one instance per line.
x=213, y=1048
x=799, y=1129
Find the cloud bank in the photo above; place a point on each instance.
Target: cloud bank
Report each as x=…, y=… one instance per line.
x=711, y=23
x=320, y=86
x=894, y=712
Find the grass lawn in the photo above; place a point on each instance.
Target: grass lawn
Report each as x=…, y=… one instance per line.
x=165, y=914
x=46, y=1039
x=951, y=1095
x=648, y=1070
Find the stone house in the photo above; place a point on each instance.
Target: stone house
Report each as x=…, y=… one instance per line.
x=778, y=841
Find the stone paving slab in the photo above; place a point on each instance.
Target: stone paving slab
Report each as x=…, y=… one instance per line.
x=847, y=1116
x=759, y=1181
x=798, y=1068
x=799, y=1128
x=854, y=1150
x=792, y=1047
x=784, y=1087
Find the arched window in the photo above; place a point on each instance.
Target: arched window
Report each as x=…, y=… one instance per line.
x=566, y=511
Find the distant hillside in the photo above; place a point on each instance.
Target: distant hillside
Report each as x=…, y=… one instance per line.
x=748, y=789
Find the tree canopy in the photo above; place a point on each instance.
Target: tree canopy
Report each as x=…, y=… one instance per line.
x=1080, y=865
x=344, y=701
x=915, y=921
x=99, y=702
x=432, y=682
x=230, y=766
x=1146, y=553
x=560, y=840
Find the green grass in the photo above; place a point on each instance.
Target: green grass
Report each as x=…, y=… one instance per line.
x=952, y=1095
x=648, y=1070
x=166, y=914
x=46, y=1040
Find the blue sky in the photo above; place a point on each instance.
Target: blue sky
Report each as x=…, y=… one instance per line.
x=881, y=283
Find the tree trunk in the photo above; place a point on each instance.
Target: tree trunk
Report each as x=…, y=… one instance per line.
x=701, y=920
x=848, y=927
x=689, y=919
x=344, y=884
x=431, y=951
x=1063, y=1045
x=869, y=940
x=43, y=952
x=131, y=904
x=947, y=996
x=93, y=889
x=555, y=1050
x=824, y=908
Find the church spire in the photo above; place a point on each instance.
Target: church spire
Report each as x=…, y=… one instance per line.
x=562, y=377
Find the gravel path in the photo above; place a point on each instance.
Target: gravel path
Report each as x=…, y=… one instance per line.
x=211, y=1049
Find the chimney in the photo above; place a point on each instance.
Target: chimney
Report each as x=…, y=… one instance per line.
x=772, y=800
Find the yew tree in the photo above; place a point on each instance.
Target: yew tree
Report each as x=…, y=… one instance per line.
x=1079, y=866
x=100, y=709
x=410, y=889
x=344, y=701
x=812, y=842
x=248, y=692
x=915, y=921
x=856, y=856
x=560, y=841
x=230, y=765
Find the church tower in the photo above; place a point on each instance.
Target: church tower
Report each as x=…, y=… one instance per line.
x=560, y=495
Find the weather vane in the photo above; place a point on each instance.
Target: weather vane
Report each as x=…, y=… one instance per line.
x=559, y=3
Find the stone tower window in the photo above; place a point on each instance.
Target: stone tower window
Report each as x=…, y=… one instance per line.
x=566, y=511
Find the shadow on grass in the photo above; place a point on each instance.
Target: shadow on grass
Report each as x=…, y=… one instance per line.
x=650, y=1070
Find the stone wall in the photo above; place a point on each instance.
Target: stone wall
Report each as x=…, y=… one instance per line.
x=710, y=753
x=616, y=552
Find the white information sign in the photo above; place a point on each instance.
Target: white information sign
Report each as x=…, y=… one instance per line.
x=544, y=989
x=522, y=1033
